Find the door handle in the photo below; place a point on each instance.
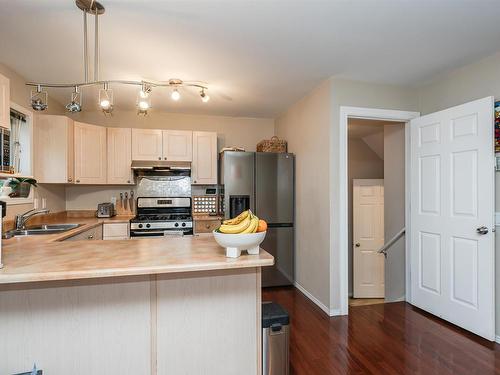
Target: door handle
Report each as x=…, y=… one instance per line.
x=357, y=244
x=482, y=230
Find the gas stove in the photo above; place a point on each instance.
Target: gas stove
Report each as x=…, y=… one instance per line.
x=157, y=217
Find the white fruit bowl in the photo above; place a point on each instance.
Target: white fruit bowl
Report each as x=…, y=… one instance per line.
x=236, y=243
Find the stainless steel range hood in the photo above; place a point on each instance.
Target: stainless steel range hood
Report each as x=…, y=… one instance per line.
x=139, y=165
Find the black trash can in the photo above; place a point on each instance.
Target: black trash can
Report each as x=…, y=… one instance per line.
x=275, y=339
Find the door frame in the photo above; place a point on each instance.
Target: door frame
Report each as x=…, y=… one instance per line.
x=342, y=270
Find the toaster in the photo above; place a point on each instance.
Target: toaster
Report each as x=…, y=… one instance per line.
x=105, y=210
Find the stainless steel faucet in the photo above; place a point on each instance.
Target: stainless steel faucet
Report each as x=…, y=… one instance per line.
x=21, y=219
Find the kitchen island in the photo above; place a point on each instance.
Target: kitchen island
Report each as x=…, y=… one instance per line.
x=149, y=306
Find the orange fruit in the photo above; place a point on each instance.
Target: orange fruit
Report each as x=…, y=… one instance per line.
x=262, y=227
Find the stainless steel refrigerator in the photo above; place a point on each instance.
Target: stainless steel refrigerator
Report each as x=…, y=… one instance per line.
x=265, y=183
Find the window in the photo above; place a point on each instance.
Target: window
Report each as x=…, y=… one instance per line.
x=16, y=157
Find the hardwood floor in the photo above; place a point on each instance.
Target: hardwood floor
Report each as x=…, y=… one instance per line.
x=392, y=338
x=365, y=301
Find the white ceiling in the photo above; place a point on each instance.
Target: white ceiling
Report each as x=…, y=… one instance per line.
x=258, y=57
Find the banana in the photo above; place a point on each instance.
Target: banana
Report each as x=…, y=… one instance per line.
x=252, y=228
x=234, y=229
x=238, y=219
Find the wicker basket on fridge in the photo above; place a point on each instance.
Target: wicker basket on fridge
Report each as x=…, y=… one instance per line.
x=272, y=145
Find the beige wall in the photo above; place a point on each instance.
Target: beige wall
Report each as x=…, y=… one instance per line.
x=394, y=209
x=355, y=94
x=363, y=162
x=20, y=94
x=306, y=127
x=231, y=131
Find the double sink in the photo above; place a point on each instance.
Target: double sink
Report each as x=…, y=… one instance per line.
x=40, y=229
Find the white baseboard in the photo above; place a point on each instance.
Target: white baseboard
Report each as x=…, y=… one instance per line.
x=317, y=302
x=497, y=339
x=400, y=299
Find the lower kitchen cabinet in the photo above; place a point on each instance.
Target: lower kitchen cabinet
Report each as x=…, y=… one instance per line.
x=206, y=225
x=116, y=231
x=90, y=234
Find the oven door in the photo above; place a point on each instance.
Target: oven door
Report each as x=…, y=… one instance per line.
x=148, y=233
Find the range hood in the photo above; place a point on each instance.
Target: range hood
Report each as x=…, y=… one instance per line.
x=160, y=165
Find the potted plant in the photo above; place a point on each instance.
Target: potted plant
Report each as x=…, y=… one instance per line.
x=21, y=186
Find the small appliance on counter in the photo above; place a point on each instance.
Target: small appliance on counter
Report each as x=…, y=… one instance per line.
x=105, y=210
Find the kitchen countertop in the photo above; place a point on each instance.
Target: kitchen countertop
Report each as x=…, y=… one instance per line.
x=45, y=257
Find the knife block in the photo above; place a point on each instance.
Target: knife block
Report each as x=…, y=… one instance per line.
x=123, y=209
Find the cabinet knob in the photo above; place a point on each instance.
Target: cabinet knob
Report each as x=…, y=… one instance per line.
x=128, y=181
x=159, y=157
x=78, y=181
x=195, y=181
x=70, y=179
x=165, y=158
x=91, y=236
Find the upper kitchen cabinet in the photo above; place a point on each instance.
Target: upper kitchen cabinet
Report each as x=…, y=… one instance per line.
x=147, y=144
x=53, y=149
x=4, y=102
x=177, y=145
x=119, y=156
x=90, y=154
x=204, y=166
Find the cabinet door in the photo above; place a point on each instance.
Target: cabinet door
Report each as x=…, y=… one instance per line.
x=119, y=156
x=4, y=102
x=53, y=149
x=204, y=167
x=146, y=144
x=177, y=145
x=90, y=154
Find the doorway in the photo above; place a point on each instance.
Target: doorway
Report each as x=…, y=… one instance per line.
x=376, y=151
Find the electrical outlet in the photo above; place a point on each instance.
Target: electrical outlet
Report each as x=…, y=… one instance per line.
x=44, y=203
x=113, y=200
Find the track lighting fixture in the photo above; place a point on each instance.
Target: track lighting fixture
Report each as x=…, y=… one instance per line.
x=106, y=99
x=176, y=95
x=204, y=96
x=76, y=101
x=144, y=100
x=39, y=99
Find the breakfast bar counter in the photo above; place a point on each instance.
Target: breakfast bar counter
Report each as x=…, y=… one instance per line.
x=173, y=305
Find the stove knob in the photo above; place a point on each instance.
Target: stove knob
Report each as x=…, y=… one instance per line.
x=183, y=224
x=176, y=224
x=140, y=225
x=148, y=225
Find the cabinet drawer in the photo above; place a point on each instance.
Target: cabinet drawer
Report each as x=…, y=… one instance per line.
x=206, y=226
x=114, y=230
x=91, y=234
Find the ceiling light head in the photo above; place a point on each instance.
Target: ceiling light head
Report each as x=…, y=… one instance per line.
x=39, y=99
x=106, y=99
x=144, y=100
x=204, y=96
x=176, y=95
x=76, y=101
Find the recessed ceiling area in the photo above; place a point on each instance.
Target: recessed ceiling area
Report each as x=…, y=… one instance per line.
x=257, y=57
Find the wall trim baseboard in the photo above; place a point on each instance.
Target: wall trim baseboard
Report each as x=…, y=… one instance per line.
x=317, y=302
x=497, y=339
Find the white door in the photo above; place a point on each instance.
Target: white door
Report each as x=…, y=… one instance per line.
x=452, y=209
x=368, y=238
x=204, y=167
x=147, y=144
x=90, y=154
x=119, y=156
x=177, y=145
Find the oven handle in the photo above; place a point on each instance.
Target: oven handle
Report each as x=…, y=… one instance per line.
x=157, y=233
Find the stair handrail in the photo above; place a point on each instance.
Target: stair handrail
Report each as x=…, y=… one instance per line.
x=392, y=241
